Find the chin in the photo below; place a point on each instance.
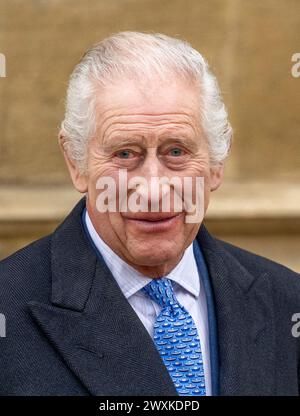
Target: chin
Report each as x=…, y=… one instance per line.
x=155, y=253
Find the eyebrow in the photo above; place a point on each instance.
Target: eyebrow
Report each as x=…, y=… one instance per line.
x=119, y=141
x=191, y=144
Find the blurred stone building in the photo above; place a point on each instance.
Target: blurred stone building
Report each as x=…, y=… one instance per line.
x=249, y=45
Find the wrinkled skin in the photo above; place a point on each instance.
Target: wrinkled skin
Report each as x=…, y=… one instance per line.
x=161, y=126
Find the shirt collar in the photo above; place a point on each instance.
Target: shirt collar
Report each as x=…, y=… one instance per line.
x=131, y=281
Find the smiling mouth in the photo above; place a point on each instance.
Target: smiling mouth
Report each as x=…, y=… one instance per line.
x=151, y=216
x=154, y=222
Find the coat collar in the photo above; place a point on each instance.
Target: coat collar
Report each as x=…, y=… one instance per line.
x=102, y=340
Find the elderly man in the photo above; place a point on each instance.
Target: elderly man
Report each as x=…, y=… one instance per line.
x=126, y=301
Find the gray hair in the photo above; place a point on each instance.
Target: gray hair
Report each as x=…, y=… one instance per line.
x=139, y=56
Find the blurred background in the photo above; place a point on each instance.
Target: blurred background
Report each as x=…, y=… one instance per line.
x=249, y=45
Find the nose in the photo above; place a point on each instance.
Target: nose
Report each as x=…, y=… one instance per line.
x=149, y=170
x=151, y=190
x=151, y=166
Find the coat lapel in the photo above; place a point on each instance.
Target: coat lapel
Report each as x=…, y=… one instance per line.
x=91, y=324
x=245, y=320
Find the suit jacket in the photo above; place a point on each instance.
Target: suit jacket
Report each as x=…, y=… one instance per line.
x=71, y=331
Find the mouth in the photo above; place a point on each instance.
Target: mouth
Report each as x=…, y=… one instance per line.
x=153, y=222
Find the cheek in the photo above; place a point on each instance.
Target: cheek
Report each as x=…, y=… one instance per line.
x=116, y=223
x=199, y=164
x=101, y=166
x=108, y=223
x=198, y=193
x=98, y=163
x=97, y=193
x=199, y=168
x=99, y=170
x=203, y=170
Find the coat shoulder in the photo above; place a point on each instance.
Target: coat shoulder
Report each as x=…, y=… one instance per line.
x=26, y=271
x=282, y=278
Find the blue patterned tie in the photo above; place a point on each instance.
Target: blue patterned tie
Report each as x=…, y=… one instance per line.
x=177, y=340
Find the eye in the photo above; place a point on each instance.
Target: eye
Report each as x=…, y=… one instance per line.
x=125, y=154
x=176, y=151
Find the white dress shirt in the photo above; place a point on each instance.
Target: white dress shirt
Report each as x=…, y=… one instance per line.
x=187, y=289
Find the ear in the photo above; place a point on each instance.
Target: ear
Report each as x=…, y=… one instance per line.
x=78, y=178
x=216, y=176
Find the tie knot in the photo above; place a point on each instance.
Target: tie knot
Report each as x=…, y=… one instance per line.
x=161, y=291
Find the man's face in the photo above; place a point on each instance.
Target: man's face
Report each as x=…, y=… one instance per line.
x=150, y=131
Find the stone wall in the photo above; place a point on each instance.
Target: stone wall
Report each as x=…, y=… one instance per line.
x=249, y=45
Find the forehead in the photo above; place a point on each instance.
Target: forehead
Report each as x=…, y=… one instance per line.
x=132, y=106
